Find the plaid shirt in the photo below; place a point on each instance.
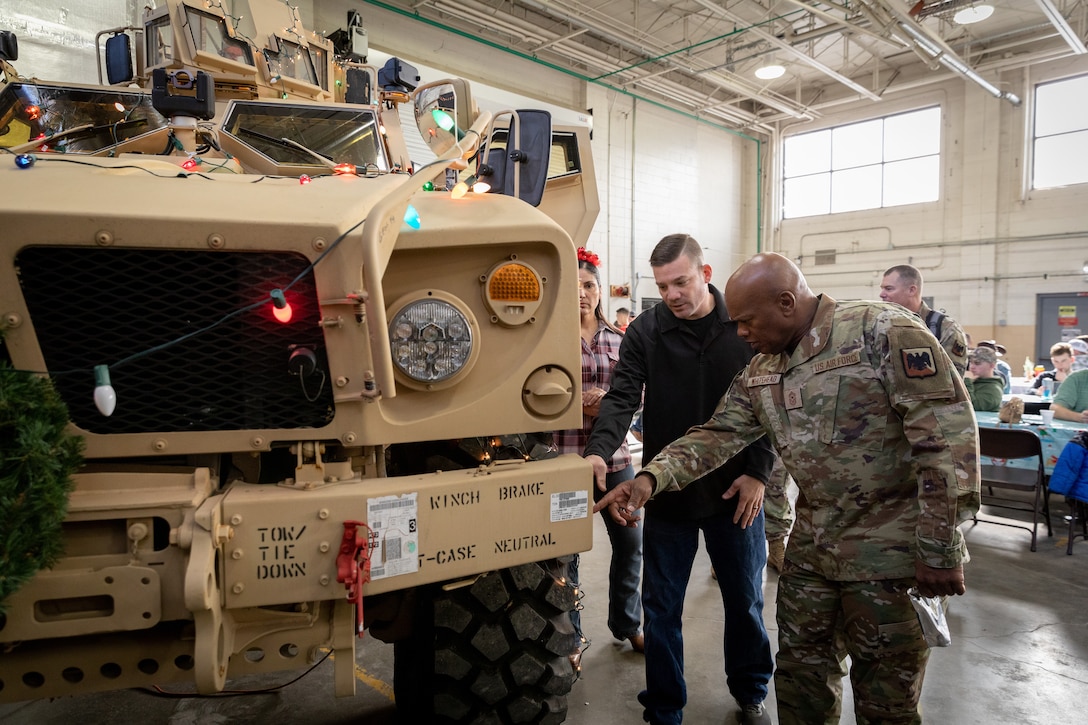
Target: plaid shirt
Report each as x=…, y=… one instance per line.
x=599, y=358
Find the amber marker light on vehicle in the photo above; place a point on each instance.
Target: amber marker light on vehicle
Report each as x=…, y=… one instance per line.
x=513, y=291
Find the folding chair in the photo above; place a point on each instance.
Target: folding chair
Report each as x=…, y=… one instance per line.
x=1013, y=444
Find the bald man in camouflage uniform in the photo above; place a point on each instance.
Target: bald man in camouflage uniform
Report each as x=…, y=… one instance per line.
x=869, y=417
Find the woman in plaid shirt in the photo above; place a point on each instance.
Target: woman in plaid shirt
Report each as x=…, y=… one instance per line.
x=600, y=351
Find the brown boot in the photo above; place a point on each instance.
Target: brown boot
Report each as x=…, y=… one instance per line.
x=638, y=642
x=776, y=554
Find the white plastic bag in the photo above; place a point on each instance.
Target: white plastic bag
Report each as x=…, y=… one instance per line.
x=931, y=616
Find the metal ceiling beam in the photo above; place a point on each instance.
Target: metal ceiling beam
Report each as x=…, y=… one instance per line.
x=794, y=52
x=726, y=81
x=1022, y=61
x=844, y=26
x=1064, y=29
x=670, y=90
x=560, y=39
x=888, y=15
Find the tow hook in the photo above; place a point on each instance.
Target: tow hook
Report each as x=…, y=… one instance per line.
x=353, y=566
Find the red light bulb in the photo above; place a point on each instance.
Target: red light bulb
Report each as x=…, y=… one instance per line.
x=281, y=308
x=283, y=314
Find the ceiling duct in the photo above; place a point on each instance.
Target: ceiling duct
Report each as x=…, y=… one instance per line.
x=888, y=16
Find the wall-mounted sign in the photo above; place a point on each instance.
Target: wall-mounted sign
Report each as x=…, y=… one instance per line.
x=1067, y=315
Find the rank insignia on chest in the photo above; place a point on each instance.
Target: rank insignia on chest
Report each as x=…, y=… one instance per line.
x=792, y=398
x=918, y=362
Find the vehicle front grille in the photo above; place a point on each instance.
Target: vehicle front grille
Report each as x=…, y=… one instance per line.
x=182, y=354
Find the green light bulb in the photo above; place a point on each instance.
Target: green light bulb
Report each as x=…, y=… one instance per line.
x=442, y=119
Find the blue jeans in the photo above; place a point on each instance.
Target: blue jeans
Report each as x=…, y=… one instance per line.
x=738, y=556
x=624, y=605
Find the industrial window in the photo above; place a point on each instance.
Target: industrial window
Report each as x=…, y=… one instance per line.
x=888, y=161
x=1061, y=133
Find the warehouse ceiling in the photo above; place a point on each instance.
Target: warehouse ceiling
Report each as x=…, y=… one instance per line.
x=701, y=56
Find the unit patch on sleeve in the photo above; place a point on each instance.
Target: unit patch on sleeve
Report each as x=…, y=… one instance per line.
x=918, y=362
x=921, y=368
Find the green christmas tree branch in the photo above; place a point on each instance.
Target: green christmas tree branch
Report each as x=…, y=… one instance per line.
x=37, y=459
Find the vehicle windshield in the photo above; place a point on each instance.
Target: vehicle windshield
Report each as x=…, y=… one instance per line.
x=292, y=61
x=341, y=135
x=54, y=115
x=210, y=34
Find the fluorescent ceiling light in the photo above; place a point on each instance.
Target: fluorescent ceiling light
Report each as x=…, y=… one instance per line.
x=770, y=72
x=973, y=14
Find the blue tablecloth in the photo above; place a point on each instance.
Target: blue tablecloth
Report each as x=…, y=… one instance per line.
x=1053, y=436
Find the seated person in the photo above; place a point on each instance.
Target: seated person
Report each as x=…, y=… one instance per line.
x=1061, y=357
x=1002, y=369
x=1071, y=402
x=983, y=386
x=1079, y=346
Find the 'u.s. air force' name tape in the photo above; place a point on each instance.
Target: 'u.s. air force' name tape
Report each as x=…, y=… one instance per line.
x=839, y=361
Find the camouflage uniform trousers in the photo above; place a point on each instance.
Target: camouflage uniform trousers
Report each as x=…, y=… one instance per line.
x=887, y=650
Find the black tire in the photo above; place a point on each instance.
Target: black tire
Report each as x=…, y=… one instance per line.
x=492, y=653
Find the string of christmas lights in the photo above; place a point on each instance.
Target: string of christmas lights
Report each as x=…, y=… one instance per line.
x=104, y=395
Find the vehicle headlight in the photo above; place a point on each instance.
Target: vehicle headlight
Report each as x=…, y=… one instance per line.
x=432, y=339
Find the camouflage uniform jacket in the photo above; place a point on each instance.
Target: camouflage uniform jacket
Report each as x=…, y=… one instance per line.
x=875, y=428
x=953, y=338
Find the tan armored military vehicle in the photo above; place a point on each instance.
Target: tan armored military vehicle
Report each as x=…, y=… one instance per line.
x=316, y=395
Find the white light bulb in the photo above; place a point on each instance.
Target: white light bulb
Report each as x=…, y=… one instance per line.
x=105, y=398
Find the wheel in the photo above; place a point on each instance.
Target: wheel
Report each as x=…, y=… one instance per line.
x=493, y=653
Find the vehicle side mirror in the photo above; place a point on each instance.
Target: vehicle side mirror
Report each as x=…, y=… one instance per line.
x=9, y=45
x=524, y=158
x=358, y=86
x=444, y=110
x=118, y=59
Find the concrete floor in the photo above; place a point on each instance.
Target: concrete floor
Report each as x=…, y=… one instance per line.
x=1019, y=655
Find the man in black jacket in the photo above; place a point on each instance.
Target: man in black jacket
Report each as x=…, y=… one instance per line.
x=686, y=352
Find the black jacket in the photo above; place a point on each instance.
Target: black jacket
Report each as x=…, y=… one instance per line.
x=685, y=378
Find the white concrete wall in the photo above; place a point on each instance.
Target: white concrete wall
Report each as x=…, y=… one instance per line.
x=989, y=245
x=56, y=38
